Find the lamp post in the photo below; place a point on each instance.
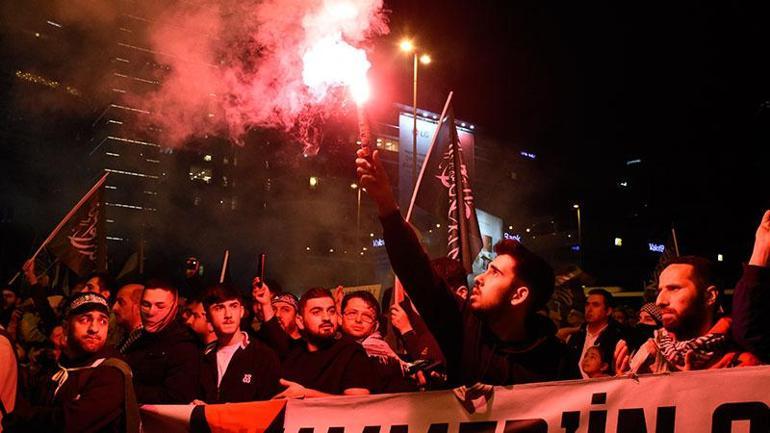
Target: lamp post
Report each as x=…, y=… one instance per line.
x=407, y=46
x=579, y=232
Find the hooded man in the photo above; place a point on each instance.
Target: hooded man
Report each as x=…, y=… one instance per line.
x=165, y=358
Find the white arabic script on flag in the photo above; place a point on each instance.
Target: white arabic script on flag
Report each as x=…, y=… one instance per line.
x=448, y=178
x=83, y=237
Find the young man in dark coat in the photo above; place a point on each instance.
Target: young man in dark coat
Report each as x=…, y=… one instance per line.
x=237, y=368
x=500, y=339
x=324, y=365
x=92, y=390
x=165, y=358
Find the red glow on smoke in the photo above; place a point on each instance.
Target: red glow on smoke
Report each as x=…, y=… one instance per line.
x=235, y=65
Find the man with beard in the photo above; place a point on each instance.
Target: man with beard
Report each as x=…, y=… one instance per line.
x=165, y=358
x=499, y=339
x=92, y=390
x=279, y=315
x=199, y=324
x=127, y=316
x=325, y=365
x=237, y=368
x=694, y=335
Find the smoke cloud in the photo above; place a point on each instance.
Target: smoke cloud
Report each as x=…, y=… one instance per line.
x=236, y=65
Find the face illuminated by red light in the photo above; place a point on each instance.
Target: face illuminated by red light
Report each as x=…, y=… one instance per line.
x=197, y=321
x=596, y=310
x=225, y=317
x=684, y=307
x=287, y=316
x=592, y=363
x=359, y=319
x=492, y=288
x=319, y=319
x=88, y=331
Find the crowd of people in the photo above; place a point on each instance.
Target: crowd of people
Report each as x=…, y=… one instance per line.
x=85, y=363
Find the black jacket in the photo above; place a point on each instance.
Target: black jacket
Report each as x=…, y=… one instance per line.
x=606, y=342
x=91, y=400
x=751, y=304
x=472, y=351
x=166, y=365
x=252, y=374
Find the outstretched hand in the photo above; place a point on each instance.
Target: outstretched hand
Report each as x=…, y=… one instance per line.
x=293, y=390
x=374, y=179
x=761, y=254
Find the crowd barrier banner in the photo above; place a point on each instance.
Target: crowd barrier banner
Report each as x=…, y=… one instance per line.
x=723, y=401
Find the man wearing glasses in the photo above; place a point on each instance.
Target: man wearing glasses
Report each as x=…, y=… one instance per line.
x=360, y=321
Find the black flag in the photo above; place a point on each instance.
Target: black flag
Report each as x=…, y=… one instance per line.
x=444, y=190
x=79, y=242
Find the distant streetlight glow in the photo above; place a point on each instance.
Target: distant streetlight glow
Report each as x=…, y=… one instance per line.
x=618, y=242
x=425, y=59
x=313, y=181
x=354, y=185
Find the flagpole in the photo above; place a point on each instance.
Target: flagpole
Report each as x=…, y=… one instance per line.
x=66, y=218
x=427, y=157
x=224, y=267
x=676, y=243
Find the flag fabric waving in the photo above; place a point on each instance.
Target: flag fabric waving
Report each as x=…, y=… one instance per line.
x=444, y=190
x=79, y=240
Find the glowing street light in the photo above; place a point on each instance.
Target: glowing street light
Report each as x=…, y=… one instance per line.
x=407, y=46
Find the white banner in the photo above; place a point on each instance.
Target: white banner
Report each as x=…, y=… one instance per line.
x=716, y=401
x=724, y=401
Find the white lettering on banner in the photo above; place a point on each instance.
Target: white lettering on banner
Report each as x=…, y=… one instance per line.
x=686, y=402
x=717, y=401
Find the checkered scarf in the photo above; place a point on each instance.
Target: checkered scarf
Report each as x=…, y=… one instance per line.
x=705, y=348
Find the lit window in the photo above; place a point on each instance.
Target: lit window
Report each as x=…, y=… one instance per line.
x=198, y=173
x=207, y=158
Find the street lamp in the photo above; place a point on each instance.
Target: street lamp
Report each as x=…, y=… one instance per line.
x=579, y=230
x=408, y=46
x=579, y=233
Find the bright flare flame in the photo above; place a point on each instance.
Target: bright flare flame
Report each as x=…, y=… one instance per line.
x=332, y=62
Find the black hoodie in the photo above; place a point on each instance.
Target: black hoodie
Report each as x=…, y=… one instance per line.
x=166, y=365
x=473, y=352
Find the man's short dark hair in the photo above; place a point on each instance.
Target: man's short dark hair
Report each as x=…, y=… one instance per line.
x=313, y=293
x=219, y=293
x=530, y=270
x=158, y=283
x=105, y=280
x=704, y=270
x=365, y=296
x=609, y=300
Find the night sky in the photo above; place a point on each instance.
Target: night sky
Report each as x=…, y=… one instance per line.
x=588, y=85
